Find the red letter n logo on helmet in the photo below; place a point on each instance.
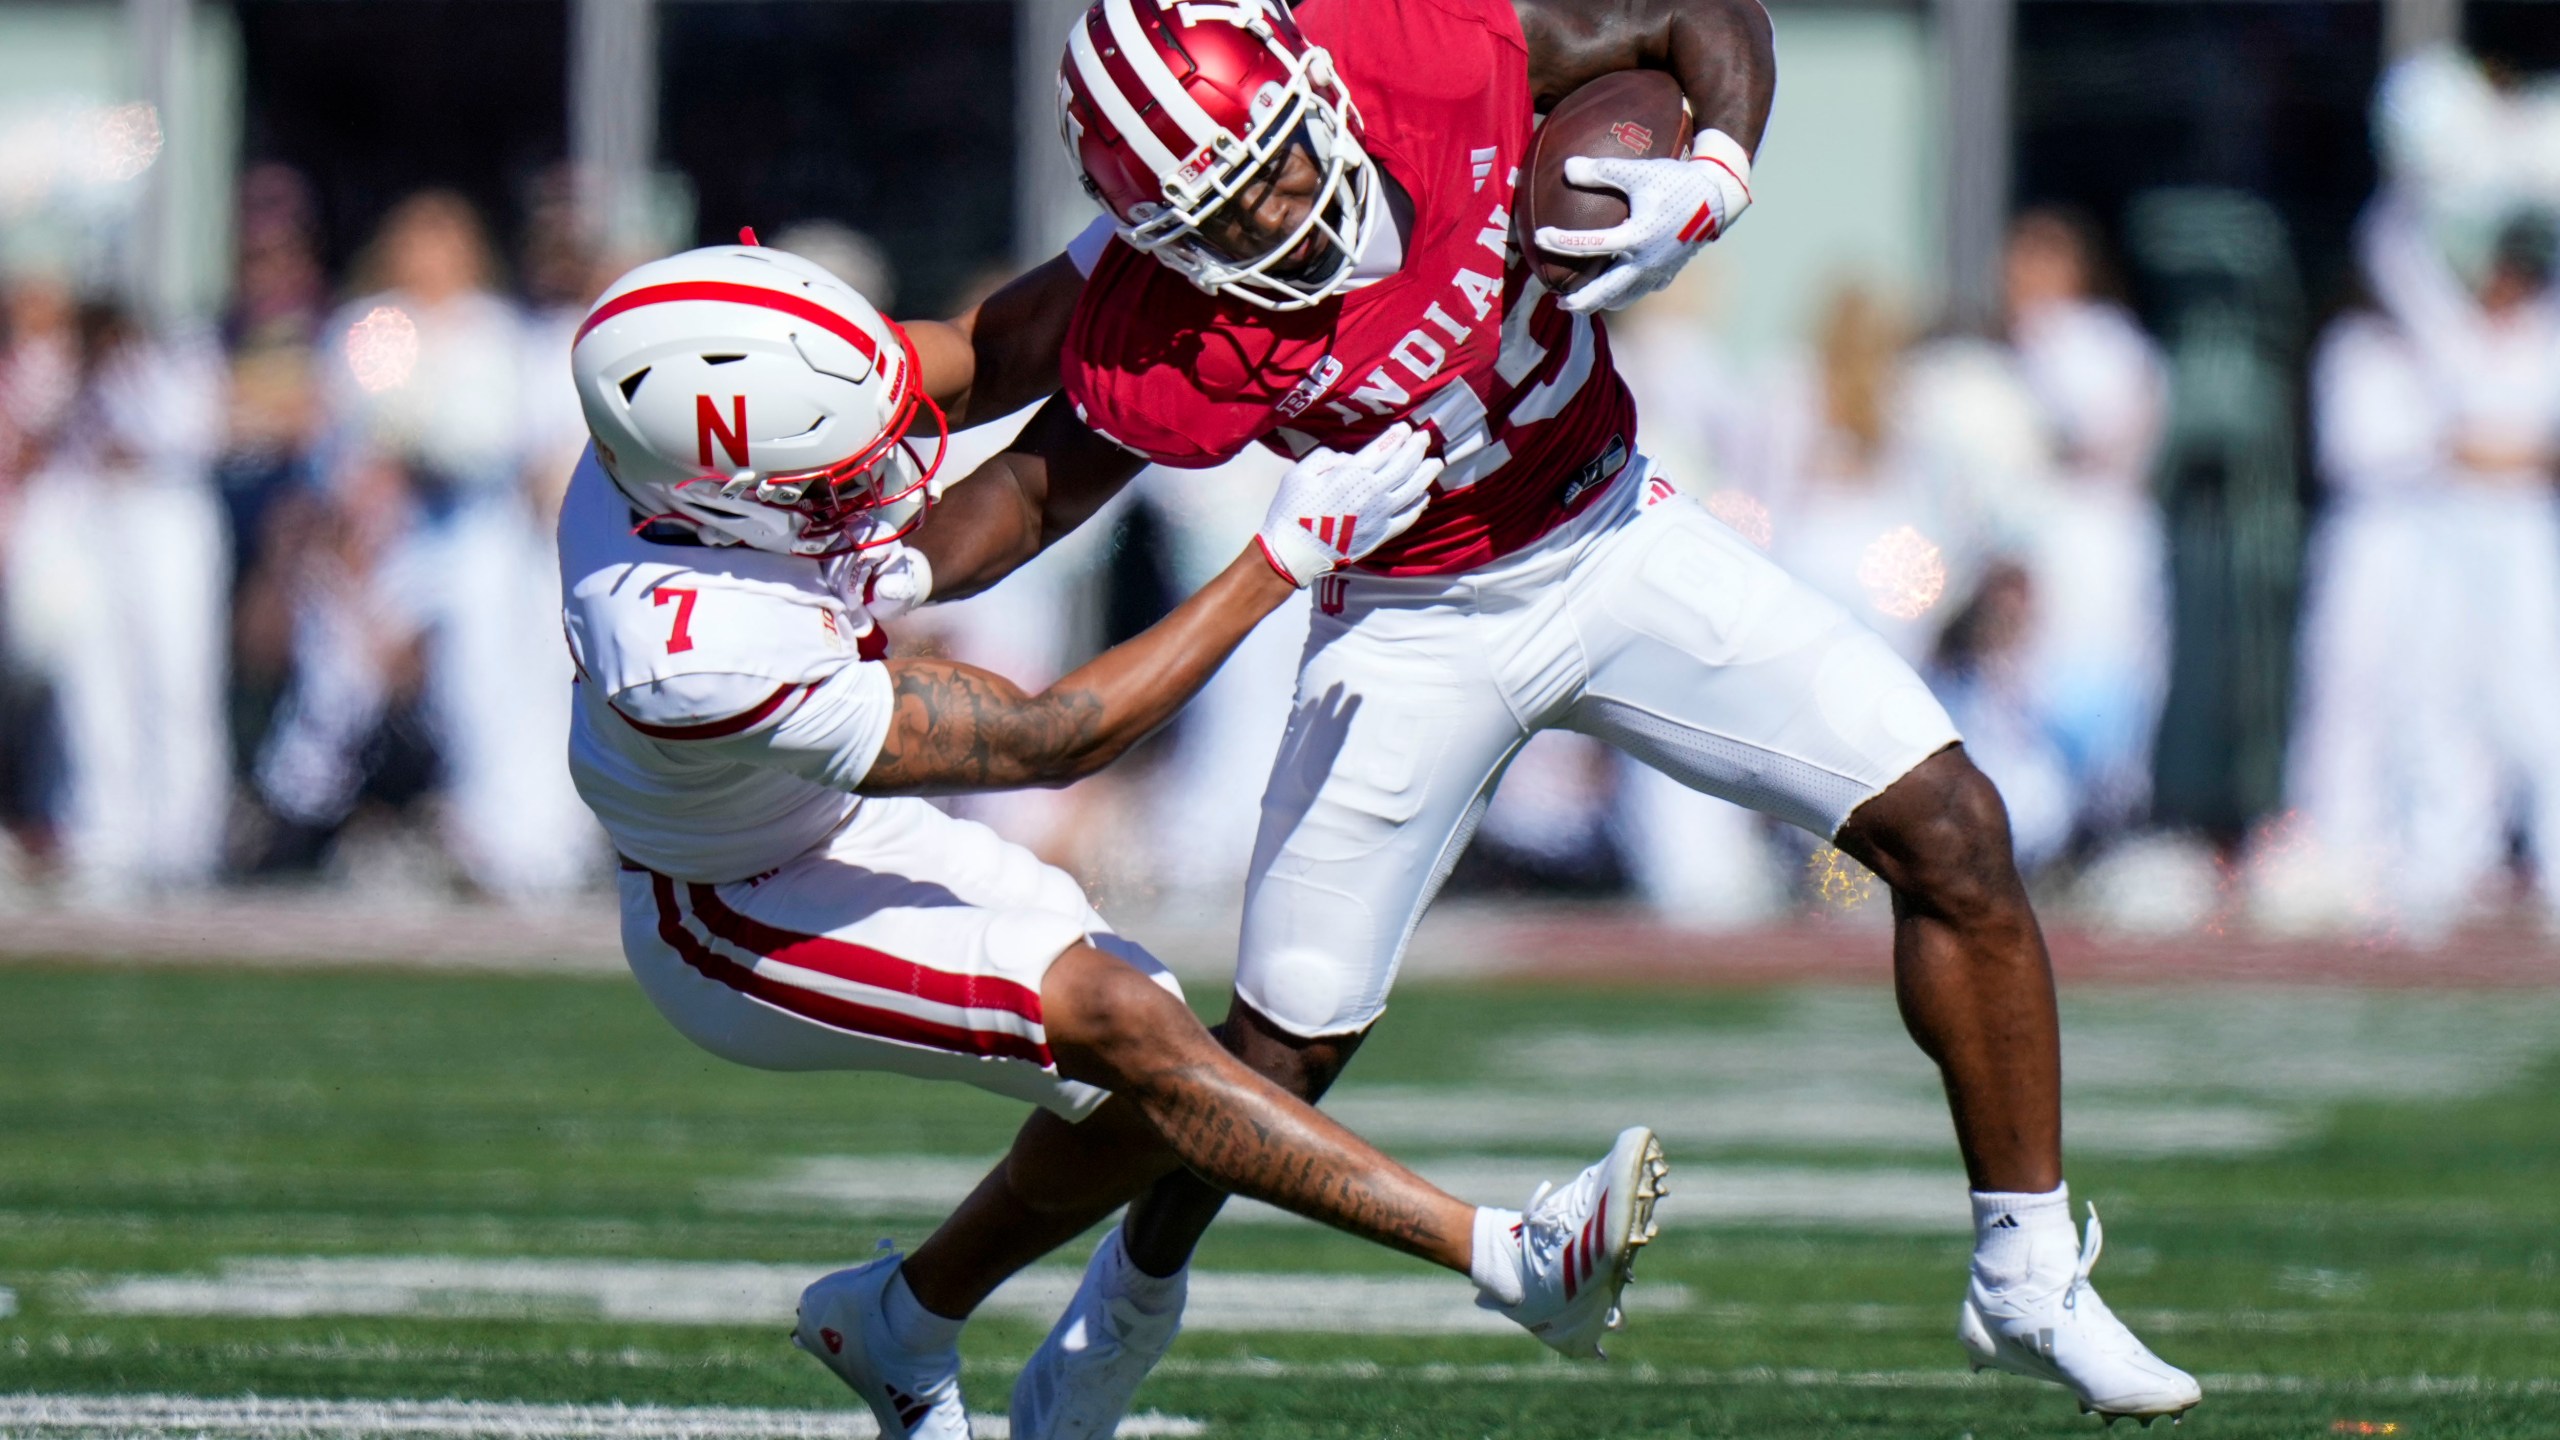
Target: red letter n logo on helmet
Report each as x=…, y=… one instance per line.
x=733, y=434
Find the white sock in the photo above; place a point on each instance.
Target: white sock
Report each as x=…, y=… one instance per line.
x=916, y=1330
x=2024, y=1246
x=1121, y=1277
x=1495, y=1266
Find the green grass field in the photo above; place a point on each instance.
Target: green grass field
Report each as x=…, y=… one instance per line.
x=2343, y=1207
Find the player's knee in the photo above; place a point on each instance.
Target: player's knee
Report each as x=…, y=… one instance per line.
x=1304, y=1067
x=1969, y=868
x=1316, y=990
x=1941, y=839
x=1098, y=1003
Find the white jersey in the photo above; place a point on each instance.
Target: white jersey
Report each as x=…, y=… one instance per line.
x=728, y=700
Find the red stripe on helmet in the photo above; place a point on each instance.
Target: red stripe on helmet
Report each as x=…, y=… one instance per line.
x=1122, y=69
x=726, y=292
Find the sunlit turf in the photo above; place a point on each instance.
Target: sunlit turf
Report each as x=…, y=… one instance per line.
x=2394, y=1261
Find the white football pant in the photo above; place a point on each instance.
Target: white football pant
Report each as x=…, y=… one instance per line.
x=1645, y=623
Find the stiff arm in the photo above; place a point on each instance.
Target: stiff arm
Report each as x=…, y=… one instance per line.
x=958, y=729
x=953, y=727
x=1002, y=353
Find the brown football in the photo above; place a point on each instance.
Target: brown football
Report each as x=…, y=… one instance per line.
x=1631, y=115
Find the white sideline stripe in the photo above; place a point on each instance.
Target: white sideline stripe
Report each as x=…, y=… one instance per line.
x=149, y=1416
x=1615, y=1375
x=1703, y=1193
x=1842, y=1116
x=713, y=1293
x=8, y=1302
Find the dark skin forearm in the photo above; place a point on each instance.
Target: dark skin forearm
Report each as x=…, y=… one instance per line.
x=1719, y=50
x=1054, y=477
x=1002, y=353
x=959, y=729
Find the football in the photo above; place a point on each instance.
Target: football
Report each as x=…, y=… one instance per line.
x=1629, y=115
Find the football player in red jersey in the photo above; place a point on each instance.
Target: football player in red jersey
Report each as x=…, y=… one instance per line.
x=1308, y=241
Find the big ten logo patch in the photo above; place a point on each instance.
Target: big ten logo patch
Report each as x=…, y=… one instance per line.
x=1311, y=389
x=1658, y=488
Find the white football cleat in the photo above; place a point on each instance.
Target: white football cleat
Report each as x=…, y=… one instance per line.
x=1578, y=1246
x=1081, y=1380
x=2075, y=1341
x=914, y=1397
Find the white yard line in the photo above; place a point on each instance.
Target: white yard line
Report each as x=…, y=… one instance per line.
x=1875, y=1198
x=182, y=1417
x=1949, y=1379
x=707, y=1293
x=714, y=1293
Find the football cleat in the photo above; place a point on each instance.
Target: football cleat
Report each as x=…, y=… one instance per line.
x=914, y=1396
x=2075, y=1341
x=1081, y=1380
x=1578, y=1246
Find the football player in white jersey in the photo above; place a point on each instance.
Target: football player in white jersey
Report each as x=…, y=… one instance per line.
x=786, y=903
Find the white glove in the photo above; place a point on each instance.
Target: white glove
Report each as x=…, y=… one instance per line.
x=1674, y=207
x=1335, y=508
x=886, y=580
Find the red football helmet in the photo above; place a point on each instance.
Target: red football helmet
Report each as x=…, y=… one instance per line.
x=1172, y=106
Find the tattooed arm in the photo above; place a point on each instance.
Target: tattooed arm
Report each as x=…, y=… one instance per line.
x=958, y=729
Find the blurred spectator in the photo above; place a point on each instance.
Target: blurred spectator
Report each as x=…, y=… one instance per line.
x=1909, y=484
x=443, y=549
x=2373, y=766
x=2481, y=607
x=847, y=254
x=563, y=274
x=1854, y=511
x=278, y=301
x=1982, y=674
x=39, y=380
x=2096, y=655
x=119, y=580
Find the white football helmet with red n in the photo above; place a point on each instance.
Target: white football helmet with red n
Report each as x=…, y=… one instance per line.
x=753, y=396
x=1172, y=106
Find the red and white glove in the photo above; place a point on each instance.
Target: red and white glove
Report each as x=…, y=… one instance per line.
x=1335, y=508
x=1674, y=207
x=886, y=580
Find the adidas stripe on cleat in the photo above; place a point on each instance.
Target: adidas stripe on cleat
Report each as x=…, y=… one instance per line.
x=1578, y=1245
x=841, y=1322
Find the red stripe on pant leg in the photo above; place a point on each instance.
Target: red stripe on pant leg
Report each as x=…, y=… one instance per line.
x=860, y=963
x=828, y=1009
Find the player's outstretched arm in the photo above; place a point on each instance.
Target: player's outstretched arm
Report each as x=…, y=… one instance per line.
x=956, y=728
x=1053, y=477
x=1002, y=353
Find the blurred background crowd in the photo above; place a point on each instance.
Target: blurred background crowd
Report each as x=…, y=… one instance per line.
x=2177, y=385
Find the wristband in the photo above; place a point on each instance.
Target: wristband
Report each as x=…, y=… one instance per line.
x=1731, y=166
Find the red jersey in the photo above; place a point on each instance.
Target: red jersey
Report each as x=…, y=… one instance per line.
x=1530, y=413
